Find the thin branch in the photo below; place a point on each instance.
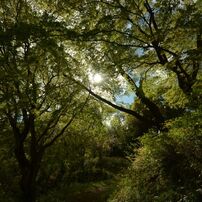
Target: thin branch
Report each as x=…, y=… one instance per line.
x=66, y=126
x=53, y=121
x=118, y=44
x=152, y=19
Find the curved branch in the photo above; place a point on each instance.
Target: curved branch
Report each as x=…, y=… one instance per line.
x=128, y=111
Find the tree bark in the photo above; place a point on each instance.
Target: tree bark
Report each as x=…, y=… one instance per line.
x=28, y=180
x=28, y=185
x=29, y=169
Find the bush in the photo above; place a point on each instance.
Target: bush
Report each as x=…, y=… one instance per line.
x=168, y=165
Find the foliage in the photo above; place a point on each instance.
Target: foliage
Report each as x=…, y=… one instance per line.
x=51, y=113
x=9, y=170
x=168, y=165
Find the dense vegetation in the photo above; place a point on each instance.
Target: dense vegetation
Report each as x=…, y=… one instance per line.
x=100, y=100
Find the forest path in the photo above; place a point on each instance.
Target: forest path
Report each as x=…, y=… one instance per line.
x=98, y=191
x=95, y=192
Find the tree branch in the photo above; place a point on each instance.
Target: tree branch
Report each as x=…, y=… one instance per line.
x=128, y=111
x=66, y=126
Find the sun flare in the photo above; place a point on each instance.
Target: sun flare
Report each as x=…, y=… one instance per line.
x=96, y=78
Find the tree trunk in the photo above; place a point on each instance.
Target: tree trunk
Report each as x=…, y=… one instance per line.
x=29, y=169
x=158, y=118
x=28, y=185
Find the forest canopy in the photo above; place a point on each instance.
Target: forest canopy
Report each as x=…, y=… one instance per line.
x=67, y=72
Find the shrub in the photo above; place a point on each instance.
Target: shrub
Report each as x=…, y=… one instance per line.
x=167, y=166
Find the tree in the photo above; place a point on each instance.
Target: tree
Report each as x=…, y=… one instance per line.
x=120, y=38
x=131, y=38
x=36, y=99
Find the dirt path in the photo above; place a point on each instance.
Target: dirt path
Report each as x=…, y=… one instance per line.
x=96, y=195
x=98, y=192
